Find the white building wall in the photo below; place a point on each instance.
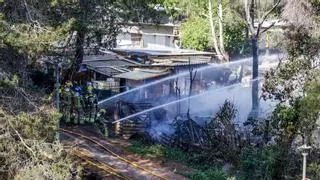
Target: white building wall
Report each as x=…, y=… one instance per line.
x=124, y=40
x=153, y=36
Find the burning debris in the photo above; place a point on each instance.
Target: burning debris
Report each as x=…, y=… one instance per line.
x=214, y=135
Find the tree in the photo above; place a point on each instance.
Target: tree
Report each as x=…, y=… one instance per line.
x=27, y=141
x=217, y=48
x=295, y=83
x=197, y=32
x=255, y=35
x=71, y=25
x=97, y=23
x=204, y=10
x=286, y=82
x=25, y=29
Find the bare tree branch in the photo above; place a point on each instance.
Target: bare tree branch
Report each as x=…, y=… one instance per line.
x=265, y=16
x=248, y=18
x=25, y=96
x=28, y=11
x=18, y=134
x=267, y=28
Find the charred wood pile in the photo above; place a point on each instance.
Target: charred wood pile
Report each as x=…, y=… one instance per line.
x=172, y=141
x=188, y=135
x=135, y=125
x=130, y=128
x=188, y=130
x=218, y=138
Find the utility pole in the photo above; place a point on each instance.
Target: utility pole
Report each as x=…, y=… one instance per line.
x=58, y=66
x=56, y=62
x=57, y=85
x=304, y=149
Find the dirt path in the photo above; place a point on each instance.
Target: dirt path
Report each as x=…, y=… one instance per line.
x=95, y=152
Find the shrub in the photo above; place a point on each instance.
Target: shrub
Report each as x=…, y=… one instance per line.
x=207, y=175
x=258, y=163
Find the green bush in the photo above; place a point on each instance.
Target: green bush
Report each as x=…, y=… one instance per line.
x=196, y=34
x=157, y=150
x=177, y=155
x=314, y=170
x=207, y=175
x=258, y=163
x=153, y=151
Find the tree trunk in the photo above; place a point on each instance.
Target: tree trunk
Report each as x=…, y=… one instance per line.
x=213, y=30
x=241, y=73
x=221, y=27
x=79, y=54
x=255, y=74
x=192, y=77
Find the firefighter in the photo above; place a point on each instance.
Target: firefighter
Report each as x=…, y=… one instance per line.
x=76, y=85
x=78, y=106
x=92, y=107
x=66, y=104
x=68, y=84
x=100, y=122
x=89, y=89
x=91, y=103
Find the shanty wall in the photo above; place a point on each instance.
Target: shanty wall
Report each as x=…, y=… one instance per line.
x=167, y=88
x=147, y=36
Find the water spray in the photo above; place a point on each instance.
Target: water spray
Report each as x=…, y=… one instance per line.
x=171, y=77
x=184, y=99
x=246, y=60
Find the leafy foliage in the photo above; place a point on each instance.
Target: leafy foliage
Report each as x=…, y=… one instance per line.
x=21, y=32
x=195, y=34
x=286, y=83
x=66, y=27
x=235, y=39
x=29, y=151
x=27, y=136
x=207, y=175
x=257, y=163
x=202, y=170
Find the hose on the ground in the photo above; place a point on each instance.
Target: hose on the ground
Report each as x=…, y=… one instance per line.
x=104, y=166
x=114, y=154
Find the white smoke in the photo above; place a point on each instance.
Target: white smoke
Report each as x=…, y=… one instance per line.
x=205, y=103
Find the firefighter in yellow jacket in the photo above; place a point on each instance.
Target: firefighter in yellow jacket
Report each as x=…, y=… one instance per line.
x=91, y=103
x=78, y=107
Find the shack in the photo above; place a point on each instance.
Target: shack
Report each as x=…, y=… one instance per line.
x=158, y=64
x=102, y=68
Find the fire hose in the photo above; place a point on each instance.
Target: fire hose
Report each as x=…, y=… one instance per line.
x=114, y=154
x=104, y=166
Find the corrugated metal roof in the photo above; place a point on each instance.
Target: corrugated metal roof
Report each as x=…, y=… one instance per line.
x=142, y=74
x=180, y=61
x=109, y=64
x=162, y=52
x=107, y=60
x=109, y=71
